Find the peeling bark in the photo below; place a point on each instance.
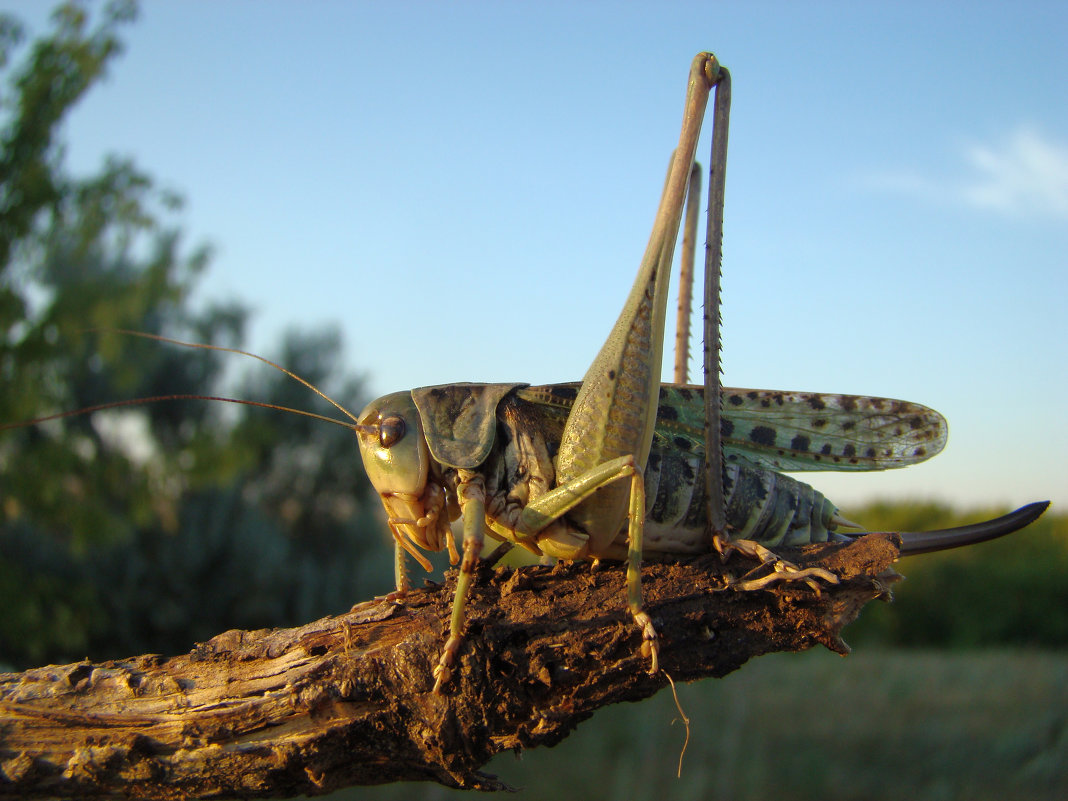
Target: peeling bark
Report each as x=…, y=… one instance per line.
x=346, y=700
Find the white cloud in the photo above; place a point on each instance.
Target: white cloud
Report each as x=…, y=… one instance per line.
x=1024, y=175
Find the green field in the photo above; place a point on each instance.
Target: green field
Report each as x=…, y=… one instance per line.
x=899, y=724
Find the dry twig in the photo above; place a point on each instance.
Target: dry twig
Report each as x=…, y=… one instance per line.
x=346, y=700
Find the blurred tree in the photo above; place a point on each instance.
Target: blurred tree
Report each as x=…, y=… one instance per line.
x=142, y=528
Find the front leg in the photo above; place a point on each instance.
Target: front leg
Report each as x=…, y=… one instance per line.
x=560, y=540
x=471, y=492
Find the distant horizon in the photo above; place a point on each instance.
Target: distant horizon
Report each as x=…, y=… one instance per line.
x=467, y=190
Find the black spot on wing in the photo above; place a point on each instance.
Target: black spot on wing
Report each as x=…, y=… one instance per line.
x=800, y=443
x=762, y=435
x=736, y=400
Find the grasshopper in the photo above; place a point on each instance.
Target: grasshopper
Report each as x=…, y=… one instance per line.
x=613, y=467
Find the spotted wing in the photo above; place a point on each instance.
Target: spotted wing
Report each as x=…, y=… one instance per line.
x=789, y=431
x=802, y=431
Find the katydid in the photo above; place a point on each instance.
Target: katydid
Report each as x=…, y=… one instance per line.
x=615, y=467
x=492, y=453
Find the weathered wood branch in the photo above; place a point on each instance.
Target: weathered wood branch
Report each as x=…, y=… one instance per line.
x=346, y=700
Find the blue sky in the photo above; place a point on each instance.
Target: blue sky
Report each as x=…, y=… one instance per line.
x=467, y=189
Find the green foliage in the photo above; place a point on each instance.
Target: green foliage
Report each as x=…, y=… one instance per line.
x=83, y=253
x=145, y=527
x=58, y=71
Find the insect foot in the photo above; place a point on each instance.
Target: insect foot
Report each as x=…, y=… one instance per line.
x=443, y=670
x=650, y=641
x=782, y=571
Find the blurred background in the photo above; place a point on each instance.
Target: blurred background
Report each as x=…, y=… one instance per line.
x=386, y=196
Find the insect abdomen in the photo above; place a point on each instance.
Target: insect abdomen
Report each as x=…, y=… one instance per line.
x=775, y=509
x=762, y=505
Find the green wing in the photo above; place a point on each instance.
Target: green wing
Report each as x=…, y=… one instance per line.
x=794, y=431
x=791, y=431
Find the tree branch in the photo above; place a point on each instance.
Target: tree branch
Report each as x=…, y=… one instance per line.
x=346, y=700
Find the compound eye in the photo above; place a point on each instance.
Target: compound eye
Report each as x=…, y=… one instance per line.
x=391, y=431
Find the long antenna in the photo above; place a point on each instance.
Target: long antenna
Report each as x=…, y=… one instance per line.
x=354, y=425
x=157, y=398
x=289, y=373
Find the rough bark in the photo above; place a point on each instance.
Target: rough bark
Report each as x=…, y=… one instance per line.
x=346, y=700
